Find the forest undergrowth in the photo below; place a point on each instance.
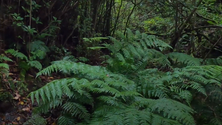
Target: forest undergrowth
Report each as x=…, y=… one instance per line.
x=110, y=62
x=140, y=84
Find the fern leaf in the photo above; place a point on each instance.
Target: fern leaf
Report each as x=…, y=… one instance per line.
x=170, y=109
x=17, y=54
x=213, y=61
x=4, y=65
x=120, y=57
x=215, y=121
x=198, y=87
x=64, y=120
x=36, y=120
x=4, y=58
x=186, y=95
x=76, y=110
x=181, y=58
x=44, y=94
x=35, y=64
x=109, y=100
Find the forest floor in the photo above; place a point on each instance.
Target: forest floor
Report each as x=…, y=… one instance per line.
x=16, y=107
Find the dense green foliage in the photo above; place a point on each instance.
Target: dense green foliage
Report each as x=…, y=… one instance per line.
x=131, y=90
x=108, y=62
x=4, y=66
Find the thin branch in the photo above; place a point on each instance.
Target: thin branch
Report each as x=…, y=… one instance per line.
x=117, y=18
x=73, y=29
x=183, y=26
x=211, y=26
x=128, y=18
x=30, y=24
x=211, y=49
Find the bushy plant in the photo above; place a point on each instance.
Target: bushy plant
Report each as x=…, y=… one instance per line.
x=25, y=63
x=140, y=85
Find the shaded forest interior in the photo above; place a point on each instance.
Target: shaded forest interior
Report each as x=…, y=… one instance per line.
x=108, y=62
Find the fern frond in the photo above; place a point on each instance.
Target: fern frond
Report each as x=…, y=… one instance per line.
x=38, y=45
x=129, y=91
x=44, y=108
x=154, y=93
x=17, y=54
x=158, y=120
x=36, y=120
x=213, y=61
x=152, y=41
x=182, y=59
x=4, y=69
x=4, y=65
x=211, y=72
x=35, y=64
x=216, y=121
x=129, y=116
x=186, y=95
x=129, y=35
x=68, y=67
x=121, y=36
x=135, y=52
x=215, y=93
x=76, y=110
x=94, y=39
x=169, y=109
x=109, y=100
x=64, y=120
x=52, y=91
x=4, y=58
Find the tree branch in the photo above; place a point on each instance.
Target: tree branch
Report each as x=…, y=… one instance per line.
x=183, y=26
